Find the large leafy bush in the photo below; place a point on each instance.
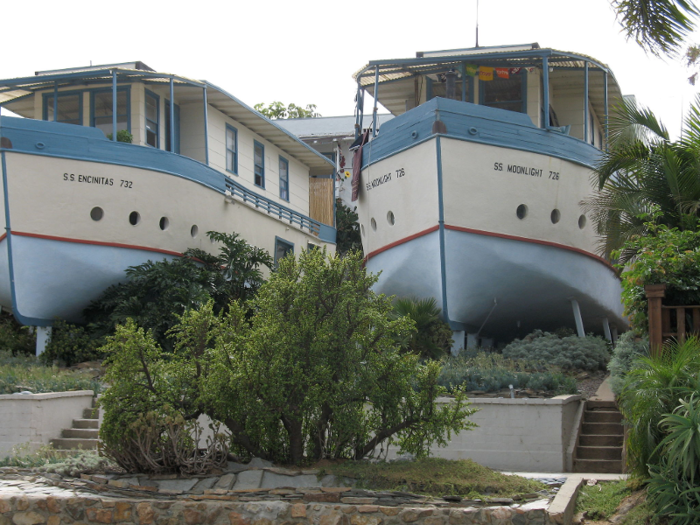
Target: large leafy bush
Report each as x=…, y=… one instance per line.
x=315, y=373
x=568, y=353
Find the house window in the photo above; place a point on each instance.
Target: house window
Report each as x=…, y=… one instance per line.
x=232, y=149
x=284, y=179
x=504, y=93
x=101, y=110
x=70, y=108
x=282, y=248
x=152, y=114
x=259, y=161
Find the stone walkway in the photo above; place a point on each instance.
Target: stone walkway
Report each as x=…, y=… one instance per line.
x=253, y=494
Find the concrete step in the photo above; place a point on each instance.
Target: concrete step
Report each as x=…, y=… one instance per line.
x=613, y=453
x=598, y=465
x=601, y=405
x=602, y=416
x=91, y=413
x=600, y=440
x=74, y=443
x=80, y=433
x=86, y=423
x=602, y=428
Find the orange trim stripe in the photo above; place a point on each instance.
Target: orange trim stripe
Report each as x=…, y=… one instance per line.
x=2, y=237
x=97, y=243
x=492, y=234
x=401, y=241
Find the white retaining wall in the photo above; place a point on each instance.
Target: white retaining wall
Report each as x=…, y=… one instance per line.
x=38, y=418
x=525, y=435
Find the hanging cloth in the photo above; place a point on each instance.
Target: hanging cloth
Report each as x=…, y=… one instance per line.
x=357, y=164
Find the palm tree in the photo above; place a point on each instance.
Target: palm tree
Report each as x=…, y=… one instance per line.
x=433, y=336
x=658, y=26
x=644, y=172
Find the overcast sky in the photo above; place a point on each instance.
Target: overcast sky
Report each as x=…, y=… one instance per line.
x=305, y=51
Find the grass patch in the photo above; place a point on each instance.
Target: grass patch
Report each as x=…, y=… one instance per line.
x=22, y=372
x=601, y=500
x=47, y=459
x=435, y=477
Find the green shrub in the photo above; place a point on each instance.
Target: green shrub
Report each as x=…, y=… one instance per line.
x=433, y=336
x=651, y=390
x=26, y=373
x=14, y=337
x=315, y=373
x=491, y=372
x=70, y=344
x=674, y=486
x=568, y=353
x=123, y=135
x=628, y=349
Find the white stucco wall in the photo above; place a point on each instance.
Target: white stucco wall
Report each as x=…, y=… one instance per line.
x=38, y=418
x=527, y=435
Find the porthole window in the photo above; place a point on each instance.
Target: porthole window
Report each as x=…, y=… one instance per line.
x=164, y=223
x=194, y=231
x=362, y=229
x=373, y=223
x=134, y=218
x=390, y=218
x=521, y=212
x=97, y=213
x=555, y=216
x=582, y=222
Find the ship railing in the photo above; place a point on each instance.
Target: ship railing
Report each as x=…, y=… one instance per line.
x=238, y=191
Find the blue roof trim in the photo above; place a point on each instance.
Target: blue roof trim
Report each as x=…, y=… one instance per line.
x=90, y=144
x=479, y=124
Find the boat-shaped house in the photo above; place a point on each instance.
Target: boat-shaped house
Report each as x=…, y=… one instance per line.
x=471, y=194
x=79, y=206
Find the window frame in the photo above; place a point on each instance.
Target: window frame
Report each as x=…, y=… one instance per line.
x=280, y=241
x=45, y=105
x=125, y=89
x=149, y=93
x=483, y=84
x=257, y=144
x=234, y=152
x=284, y=162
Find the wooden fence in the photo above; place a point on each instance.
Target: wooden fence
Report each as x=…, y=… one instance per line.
x=669, y=322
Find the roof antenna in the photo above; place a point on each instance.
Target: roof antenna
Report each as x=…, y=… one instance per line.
x=477, y=23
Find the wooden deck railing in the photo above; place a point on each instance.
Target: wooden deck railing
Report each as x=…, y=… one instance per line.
x=669, y=322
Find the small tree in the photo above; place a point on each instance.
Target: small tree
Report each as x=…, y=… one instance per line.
x=277, y=110
x=315, y=374
x=156, y=293
x=348, y=238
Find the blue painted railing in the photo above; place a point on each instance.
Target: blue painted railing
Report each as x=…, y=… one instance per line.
x=234, y=189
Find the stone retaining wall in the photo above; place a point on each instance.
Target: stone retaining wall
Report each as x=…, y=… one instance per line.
x=315, y=508
x=35, y=419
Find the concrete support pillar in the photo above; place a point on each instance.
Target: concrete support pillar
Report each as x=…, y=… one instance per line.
x=43, y=334
x=457, y=341
x=614, y=334
x=606, y=329
x=577, y=317
x=472, y=341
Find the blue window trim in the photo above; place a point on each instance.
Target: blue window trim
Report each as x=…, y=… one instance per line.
x=166, y=118
x=126, y=89
x=234, y=151
x=280, y=240
x=523, y=90
x=149, y=93
x=257, y=144
x=46, y=96
x=284, y=162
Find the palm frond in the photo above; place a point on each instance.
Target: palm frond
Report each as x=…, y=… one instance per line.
x=658, y=26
